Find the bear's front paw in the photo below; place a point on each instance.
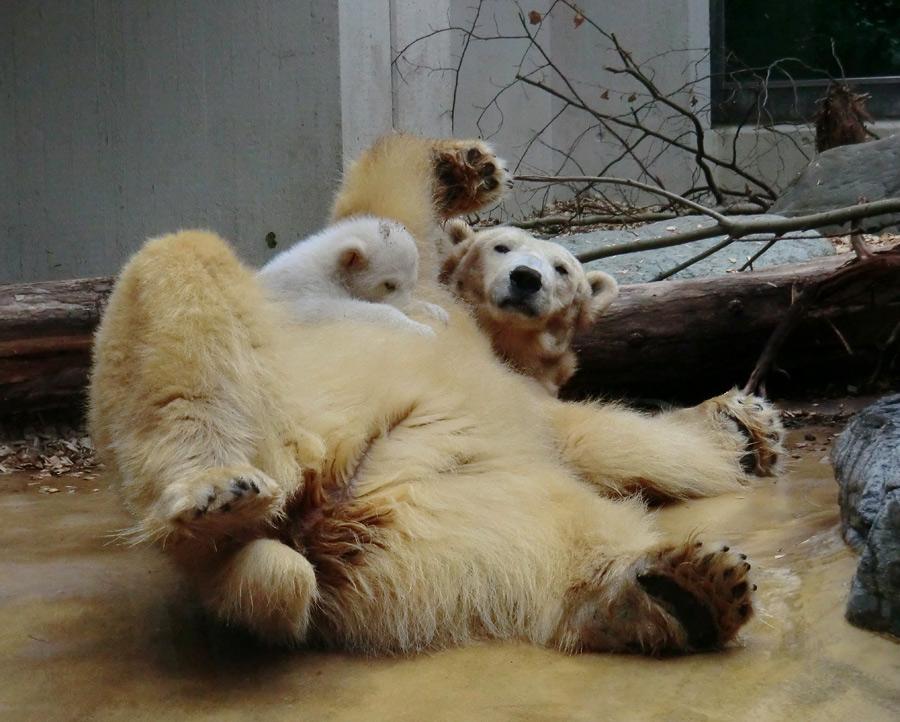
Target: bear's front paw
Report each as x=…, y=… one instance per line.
x=708, y=592
x=759, y=424
x=221, y=501
x=469, y=176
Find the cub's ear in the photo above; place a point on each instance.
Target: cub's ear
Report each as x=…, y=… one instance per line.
x=604, y=289
x=352, y=255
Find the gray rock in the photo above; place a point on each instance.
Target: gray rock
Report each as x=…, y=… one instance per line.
x=840, y=177
x=646, y=265
x=866, y=461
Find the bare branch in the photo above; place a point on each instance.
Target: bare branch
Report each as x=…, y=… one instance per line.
x=732, y=227
x=723, y=221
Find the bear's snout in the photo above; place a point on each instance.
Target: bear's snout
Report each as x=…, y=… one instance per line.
x=525, y=280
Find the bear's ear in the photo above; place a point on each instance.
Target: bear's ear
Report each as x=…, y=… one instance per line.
x=604, y=289
x=459, y=239
x=352, y=255
x=458, y=231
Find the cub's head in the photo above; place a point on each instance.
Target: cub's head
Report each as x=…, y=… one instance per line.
x=377, y=260
x=512, y=280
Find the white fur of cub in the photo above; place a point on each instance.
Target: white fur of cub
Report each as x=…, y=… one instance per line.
x=362, y=269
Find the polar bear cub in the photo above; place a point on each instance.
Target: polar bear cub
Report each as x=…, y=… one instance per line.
x=362, y=269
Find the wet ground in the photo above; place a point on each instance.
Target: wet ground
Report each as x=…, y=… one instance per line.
x=92, y=630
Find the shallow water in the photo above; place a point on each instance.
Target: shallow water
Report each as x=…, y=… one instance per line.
x=92, y=630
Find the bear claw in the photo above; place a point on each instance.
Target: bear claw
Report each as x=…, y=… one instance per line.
x=709, y=594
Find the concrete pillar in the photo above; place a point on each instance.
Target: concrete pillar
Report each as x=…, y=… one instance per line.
x=423, y=87
x=366, y=98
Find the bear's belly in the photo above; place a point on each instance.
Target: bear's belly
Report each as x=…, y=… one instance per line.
x=404, y=419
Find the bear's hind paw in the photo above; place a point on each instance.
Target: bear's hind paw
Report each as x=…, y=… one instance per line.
x=221, y=501
x=708, y=592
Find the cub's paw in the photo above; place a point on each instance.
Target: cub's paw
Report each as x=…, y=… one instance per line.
x=469, y=176
x=436, y=312
x=422, y=329
x=759, y=424
x=306, y=449
x=707, y=592
x=221, y=501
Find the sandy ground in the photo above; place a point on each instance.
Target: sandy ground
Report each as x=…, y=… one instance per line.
x=92, y=630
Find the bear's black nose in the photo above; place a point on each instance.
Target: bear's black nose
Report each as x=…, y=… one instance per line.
x=525, y=280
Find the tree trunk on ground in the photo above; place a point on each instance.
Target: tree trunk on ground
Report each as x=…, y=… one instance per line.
x=674, y=340
x=45, y=342
x=687, y=340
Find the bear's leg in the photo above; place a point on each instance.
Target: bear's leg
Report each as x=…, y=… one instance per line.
x=703, y=451
x=265, y=587
x=431, y=181
x=186, y=401
x=684, y=598
x=757, y=420
x=626, y=591
x=538, y=559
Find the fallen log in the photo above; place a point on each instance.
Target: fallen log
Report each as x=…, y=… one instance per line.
x=45, y=342
x=687, y=340
x=673, y=340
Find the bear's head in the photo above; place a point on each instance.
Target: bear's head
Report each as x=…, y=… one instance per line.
x=378, y=261
x=518, y=280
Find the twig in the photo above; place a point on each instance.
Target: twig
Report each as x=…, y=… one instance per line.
x=696, y=259
x=891, y=340
x=723, y=221
x=801, y=306
x=749, y=263
x=592, y=220
x=459, y=62
x=840, y=336
x=798, y=310
x=735, y=228
x=858, y=243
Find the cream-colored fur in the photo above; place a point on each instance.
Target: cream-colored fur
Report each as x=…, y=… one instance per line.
x=381, y=491
x=529, y=296
x=363, y=269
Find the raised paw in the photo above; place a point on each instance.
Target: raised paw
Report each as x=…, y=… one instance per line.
x=221, y=501
x=708, y=592
x=469, y=176
x=760, y=428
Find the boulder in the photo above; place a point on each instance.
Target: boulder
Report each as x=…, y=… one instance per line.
x=866, y=461
x=840, y=177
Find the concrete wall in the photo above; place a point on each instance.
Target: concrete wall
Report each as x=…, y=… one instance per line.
x=123, y=119
x=489, y=103
x=120, y=120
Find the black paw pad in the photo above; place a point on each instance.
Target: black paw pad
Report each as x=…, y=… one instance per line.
x=696, y=619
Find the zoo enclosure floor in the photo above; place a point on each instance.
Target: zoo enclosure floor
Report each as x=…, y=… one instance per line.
x=93, y=630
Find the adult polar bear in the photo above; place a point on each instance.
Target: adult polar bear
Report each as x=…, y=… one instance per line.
x=380, y=491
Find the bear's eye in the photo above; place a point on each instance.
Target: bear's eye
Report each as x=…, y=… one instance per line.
x=561, y=270
x=389, y=286
x=500, y=248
